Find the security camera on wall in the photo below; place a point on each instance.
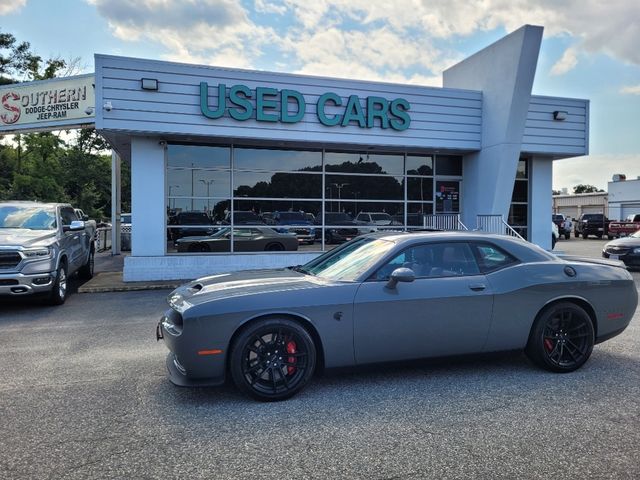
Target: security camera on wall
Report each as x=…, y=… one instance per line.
x=107, y=106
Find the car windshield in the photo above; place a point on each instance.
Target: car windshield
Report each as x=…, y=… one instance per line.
x=292, y=216
x=348, y=262
x=30, y=217
x=336, y=218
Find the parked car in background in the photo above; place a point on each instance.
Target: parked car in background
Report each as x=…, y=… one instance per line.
x=90, y=225
x=41, y=246
x=370, y=221
x=625, y=227
x=596, y=224
x=342, y=227
x=625, y=249
x=452, y=293
x=125, y=232
x=564, y=225
x=194, y=223
x=246, y=239
x=300, y=225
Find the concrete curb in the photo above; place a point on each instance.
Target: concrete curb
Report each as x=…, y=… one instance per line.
x=113, y=282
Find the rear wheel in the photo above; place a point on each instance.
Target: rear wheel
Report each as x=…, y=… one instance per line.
x=273, y=359
x=274, y=247
x=567, y=236
x=585, y=235
x=59, y=290
x=86, y=271
x=562, y=338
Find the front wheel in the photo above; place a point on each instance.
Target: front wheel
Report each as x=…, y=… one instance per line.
x=567, y=236
x=86, y=271
x=585, y=235
x=562, y=338
x=59, y=290
x=272, y=359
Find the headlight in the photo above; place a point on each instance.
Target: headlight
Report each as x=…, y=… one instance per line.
x=636, y=250
x=32, y=253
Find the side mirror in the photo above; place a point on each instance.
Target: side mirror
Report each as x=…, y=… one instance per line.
x=75, y=226
x=402, y=274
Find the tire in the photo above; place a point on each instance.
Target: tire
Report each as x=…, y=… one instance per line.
x=562, y=338
x=272, y=359
x=576, y=234
x=59, y=291
x=585, y=235
x=274, y=247
x=567, y=236
x=86, y=271
x=610, y=237
x=329, y=239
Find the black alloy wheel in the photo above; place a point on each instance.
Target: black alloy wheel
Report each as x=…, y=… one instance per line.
x=562, y=338
x=274, y=247
x=273, y=359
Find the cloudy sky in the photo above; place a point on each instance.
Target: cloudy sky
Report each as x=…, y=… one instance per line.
x=591, y=48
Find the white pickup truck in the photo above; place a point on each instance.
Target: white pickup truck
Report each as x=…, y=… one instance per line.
x=41, y=245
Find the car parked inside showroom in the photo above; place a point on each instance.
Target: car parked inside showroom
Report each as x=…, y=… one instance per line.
x=626, y=249
x=246, y=239
x=392, y=297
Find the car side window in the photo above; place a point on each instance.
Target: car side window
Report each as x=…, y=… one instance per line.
x=68, y=216
x=433, y=261
x=492, y=258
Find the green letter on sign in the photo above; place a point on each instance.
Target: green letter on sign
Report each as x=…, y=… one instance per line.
x=285, y=116
x=262, y=103
x=246, y=109
x=354, y=112
x=204, y=100
x=399, y=108
x=322, y=116
x=373, y=112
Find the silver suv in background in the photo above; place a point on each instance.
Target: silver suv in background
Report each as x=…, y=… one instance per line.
x=41, y=245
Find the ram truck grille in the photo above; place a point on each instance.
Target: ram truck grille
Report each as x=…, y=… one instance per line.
x=9, y=260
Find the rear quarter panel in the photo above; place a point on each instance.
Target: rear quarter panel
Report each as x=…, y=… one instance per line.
x=522, y=291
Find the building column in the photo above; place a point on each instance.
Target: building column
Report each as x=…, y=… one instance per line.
x=148, y=211
x=540, y=201
x=116, y=202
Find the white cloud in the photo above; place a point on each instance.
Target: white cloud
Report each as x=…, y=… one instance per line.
x=631, y=90
x=11, y=6
x=568, y=60
x=265, y=6
x=593, y=170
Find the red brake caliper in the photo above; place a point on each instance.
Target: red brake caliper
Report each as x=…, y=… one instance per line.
x=548, y=344
x=291, y=348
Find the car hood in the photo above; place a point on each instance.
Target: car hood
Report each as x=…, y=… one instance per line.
x=243, y=283
x=624, y=242
x=25, y=237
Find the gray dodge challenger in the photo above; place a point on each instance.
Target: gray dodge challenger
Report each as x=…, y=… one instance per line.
x=390, y=297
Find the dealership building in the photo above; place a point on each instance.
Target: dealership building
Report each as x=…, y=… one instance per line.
x=228, y=144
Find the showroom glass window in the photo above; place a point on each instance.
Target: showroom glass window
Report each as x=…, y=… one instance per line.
x=318, y=198
x=519, y=209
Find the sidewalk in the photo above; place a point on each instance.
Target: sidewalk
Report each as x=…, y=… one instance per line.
x=108, y=277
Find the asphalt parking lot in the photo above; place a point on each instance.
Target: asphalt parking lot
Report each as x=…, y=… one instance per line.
x=83, y=394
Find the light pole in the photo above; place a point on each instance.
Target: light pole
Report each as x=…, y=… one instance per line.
x=339, y=186
x=174, y=200
x=208, y=183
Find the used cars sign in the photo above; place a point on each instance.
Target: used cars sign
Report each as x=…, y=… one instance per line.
x=271, y=105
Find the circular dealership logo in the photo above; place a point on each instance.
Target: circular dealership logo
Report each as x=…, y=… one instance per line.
x=12, y=110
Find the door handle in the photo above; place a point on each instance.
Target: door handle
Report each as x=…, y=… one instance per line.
x=477, y=287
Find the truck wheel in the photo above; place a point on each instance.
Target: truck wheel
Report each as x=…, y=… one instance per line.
x=59, y=290
x=599, y=235
x=86, y=271
x=567, y=236
x=576, y=234
x=585, y=235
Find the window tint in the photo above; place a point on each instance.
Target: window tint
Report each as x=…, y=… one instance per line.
x=491, y=258
x=68, y=216
x=433, y=261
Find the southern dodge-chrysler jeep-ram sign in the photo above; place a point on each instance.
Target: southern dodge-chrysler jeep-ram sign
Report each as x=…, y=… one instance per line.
x=33, y=103
x=271, y=105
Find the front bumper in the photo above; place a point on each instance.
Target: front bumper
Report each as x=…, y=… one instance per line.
x=18, y=284
x=187, y=365
x=629, y=259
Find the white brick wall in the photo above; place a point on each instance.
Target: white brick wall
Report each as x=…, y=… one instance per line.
x=179, y=267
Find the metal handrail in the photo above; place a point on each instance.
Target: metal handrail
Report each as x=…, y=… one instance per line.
x=444, y=221
x=495, y=224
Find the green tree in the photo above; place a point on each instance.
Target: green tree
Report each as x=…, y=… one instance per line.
x=586, y=189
